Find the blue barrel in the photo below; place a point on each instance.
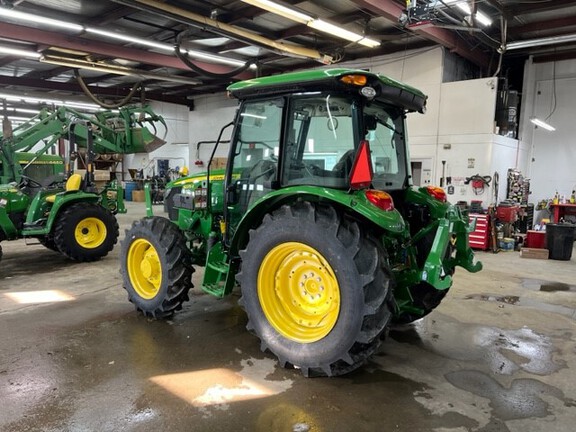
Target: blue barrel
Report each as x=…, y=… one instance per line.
x=130, y=186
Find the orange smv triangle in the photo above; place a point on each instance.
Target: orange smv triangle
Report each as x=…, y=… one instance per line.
x=361, y=174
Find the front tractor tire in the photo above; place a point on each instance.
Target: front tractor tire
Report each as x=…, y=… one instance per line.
x=156, y=267
x=316, y=288
x=85, y=232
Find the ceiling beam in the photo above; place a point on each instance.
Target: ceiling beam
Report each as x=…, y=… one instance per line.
x=391, y=10
x=28, y=34
x=115, y=92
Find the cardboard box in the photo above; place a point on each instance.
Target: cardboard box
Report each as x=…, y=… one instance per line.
x=534, y=253
x=99, y=175
x=138, y=195
x=219, y=163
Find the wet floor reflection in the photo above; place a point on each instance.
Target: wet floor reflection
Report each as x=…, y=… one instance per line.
x=524, y=399
x=546, y=286
x=525, y=301
x=503, y=351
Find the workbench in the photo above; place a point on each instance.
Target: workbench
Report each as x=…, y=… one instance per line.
x=559, y=211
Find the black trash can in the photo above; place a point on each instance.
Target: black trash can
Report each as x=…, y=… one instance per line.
x=560, y=240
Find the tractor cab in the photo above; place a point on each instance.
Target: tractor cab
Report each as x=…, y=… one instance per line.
x=309, y=135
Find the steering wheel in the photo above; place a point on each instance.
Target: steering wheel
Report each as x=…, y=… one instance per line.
x=262, y=168
x=344, y=164
x=26, y=181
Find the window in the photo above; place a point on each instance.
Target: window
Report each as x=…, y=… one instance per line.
x=384, y=130
x=257, y=149
x=320, y=145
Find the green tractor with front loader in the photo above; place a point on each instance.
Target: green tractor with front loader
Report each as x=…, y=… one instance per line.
x=314, y=218
x=61, y=210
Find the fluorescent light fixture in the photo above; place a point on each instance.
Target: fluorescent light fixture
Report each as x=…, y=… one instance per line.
x=281, y=10
x=19, y=52
x=133, y=39
x=22, y=16
x=18, y=118
x=338, y=31
x=36, y=100
x=212, y=57
x=542, y=124
x=315, y=23
x=463, y=6
x=552, y=40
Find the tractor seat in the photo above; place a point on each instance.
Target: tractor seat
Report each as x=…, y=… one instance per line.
x=72, y=184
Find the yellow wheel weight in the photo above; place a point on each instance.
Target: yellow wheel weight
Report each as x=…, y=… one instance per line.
x=90, y=233
x=298, y=292
x=144, y=268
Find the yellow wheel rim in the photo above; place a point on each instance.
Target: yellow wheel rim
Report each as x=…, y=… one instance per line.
x=90, y=233
x=298, y=292
x=144, y=268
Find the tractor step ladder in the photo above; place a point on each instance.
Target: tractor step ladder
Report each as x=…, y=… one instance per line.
x=216, y=272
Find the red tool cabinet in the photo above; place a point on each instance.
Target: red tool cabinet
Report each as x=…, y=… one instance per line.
x=479, y=239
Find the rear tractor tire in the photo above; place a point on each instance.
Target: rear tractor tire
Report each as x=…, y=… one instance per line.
x=156, y=267
x=316, y=288
x=85, y=232
x=48, y=242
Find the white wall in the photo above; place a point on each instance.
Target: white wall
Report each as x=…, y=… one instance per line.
x=210, y=114
x=549, y=92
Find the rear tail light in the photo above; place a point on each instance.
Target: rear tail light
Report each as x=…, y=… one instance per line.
x=380, y=199
x=436, y=192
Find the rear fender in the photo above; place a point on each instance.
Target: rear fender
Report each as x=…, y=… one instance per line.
x=63, y=200
x=354, y=202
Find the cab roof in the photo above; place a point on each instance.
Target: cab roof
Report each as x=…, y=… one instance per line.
x=329, y=79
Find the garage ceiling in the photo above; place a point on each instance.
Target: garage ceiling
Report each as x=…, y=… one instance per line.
x=114, y=45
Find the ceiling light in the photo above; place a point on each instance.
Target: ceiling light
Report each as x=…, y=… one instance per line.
x=542, y=124
x=45, y=101
x=281, y=10
x=465, y=7
x=22, y=16
x=19, y=52
x=552, y=40
x=315, y=23
x=214, y=58
x=338, y=31
x=133, y=39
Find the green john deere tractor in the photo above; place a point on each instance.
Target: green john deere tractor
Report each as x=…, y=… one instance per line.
x=314, y=218
x=72, y=217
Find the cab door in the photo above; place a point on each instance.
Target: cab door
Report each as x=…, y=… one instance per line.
x=254, y=157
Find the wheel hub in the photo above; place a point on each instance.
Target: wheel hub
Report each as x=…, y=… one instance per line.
x=90, y=233
x=144, y=268
x=299, y=292
x=150, y=266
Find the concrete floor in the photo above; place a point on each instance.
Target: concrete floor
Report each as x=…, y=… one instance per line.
x=499, y=354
